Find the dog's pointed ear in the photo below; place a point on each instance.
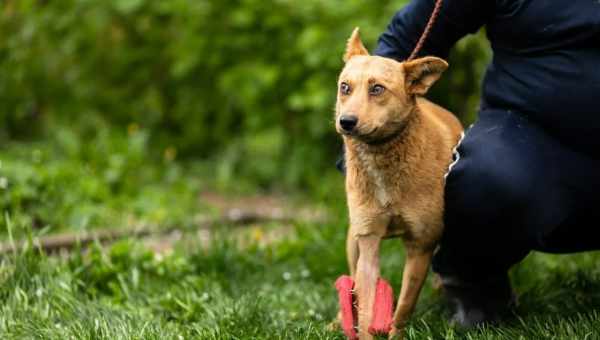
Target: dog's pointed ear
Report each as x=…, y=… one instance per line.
x=355, y=46
x=420, y=74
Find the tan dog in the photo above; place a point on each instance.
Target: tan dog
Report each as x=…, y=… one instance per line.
x=398, y=149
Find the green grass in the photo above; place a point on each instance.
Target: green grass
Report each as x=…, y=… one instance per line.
x=283, y=291
x=225, y=290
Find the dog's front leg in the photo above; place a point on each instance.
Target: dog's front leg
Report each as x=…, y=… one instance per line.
x=415, y=273
x=366, y=277
x=351, y=252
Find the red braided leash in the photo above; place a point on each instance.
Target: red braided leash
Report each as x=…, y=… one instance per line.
x=432, y=18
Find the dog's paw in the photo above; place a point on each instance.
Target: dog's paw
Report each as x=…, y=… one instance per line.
x=334, y=326
x=436, y=283
x=396, y=334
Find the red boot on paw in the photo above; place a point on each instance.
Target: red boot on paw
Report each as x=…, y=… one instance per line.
x=344, y=285
x=381, y=323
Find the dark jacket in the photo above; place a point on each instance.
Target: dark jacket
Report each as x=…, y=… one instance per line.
x=546, y=62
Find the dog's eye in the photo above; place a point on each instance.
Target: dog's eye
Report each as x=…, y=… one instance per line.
x=345, y=88
x=376, y=90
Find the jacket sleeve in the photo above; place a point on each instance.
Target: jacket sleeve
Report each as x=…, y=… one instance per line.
x=456, y=19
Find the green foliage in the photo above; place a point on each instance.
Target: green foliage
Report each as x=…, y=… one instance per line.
x=249, y=84
x=110, y=180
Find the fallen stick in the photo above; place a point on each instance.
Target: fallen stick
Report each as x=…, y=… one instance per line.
x=54, y=243
x=68, y=241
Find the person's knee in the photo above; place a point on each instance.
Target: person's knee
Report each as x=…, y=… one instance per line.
x=485, y=206
x=484, y=183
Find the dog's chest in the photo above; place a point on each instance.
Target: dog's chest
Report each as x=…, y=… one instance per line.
x=378, y=179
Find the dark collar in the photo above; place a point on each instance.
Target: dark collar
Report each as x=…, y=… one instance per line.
x=394, y=135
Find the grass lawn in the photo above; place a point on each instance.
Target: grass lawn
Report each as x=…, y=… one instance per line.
x=224, y=288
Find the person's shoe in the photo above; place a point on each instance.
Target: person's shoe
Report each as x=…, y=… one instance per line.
x=484, y=302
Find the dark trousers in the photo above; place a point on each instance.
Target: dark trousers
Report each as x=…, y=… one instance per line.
x=514, y=189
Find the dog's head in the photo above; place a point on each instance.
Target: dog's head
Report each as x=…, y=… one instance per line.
x=376, y=94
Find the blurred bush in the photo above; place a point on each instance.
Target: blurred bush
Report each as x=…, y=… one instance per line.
x=249, y=84
x=111, y=181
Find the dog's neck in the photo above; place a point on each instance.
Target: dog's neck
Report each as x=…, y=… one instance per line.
x=378, y=165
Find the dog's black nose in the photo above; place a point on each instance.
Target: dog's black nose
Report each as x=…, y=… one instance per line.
x=348, y=122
